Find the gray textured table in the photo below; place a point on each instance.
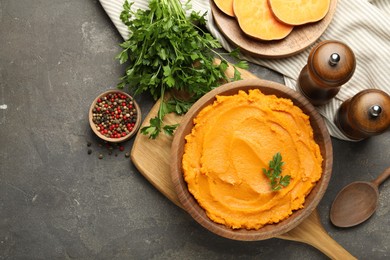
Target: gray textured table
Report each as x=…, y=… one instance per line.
x=59, y=202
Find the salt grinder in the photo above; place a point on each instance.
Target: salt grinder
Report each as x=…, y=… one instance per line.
x=365, y=114
x=330, y=65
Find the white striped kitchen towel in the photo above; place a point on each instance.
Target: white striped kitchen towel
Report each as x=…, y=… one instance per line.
x=364, y=25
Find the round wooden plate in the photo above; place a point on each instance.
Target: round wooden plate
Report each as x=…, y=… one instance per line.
x=299, y=39
x=321, y=136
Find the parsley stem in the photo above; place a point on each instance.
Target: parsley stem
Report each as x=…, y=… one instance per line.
x=160, y=111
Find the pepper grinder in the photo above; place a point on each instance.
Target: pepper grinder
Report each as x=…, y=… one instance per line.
x=365, y=114
x=330, y=64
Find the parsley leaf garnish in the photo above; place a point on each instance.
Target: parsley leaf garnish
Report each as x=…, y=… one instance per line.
x=277, y=181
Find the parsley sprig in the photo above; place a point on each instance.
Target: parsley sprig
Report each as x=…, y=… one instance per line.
x=166, y=50
x=274, y=173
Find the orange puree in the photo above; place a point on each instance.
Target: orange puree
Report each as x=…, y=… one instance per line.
x=232, y=140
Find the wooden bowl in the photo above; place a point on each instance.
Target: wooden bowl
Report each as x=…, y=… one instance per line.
x=321, y=136
x=108, y=139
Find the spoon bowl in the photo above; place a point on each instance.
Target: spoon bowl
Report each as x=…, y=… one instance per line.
x=356, y=202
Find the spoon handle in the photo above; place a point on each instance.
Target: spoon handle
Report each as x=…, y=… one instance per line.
x=382, y=177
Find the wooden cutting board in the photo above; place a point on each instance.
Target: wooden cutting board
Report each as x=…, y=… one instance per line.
x=152, y=159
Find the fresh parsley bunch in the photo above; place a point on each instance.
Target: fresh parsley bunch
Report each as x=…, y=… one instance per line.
x=167, y=50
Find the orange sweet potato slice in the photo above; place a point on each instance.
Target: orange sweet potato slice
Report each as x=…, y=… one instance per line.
x=298, y=12
x=256, y=20
x=225, y=6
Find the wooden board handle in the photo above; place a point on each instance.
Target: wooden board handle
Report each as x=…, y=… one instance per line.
x=311, y=232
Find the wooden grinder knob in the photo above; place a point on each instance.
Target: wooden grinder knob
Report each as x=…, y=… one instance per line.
x=365, y=114
x=330, y=65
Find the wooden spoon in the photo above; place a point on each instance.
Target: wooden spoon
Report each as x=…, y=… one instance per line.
x=356, y=202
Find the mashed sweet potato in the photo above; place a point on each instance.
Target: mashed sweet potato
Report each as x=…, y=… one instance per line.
x=230, y=143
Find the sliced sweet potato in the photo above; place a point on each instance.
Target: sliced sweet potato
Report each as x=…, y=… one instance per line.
x=255, y=19
x=225, y=6
x=298, y=12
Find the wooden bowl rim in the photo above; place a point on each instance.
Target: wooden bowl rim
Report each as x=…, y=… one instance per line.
x=322, y=137
x=114, y=140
